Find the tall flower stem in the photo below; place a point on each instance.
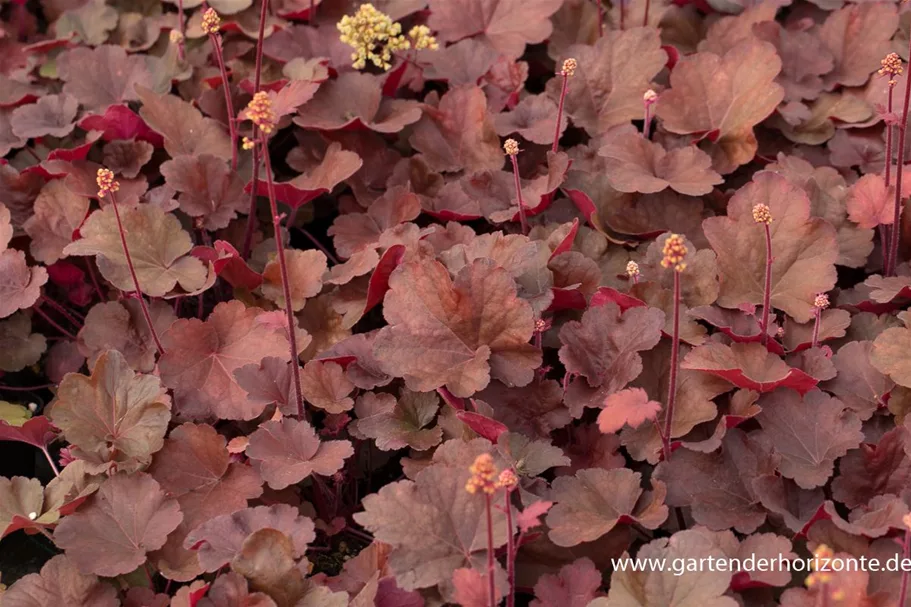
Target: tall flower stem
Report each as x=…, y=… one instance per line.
x=906, y=553
x=645, y=17
x=229, y=104
x=491, y=583
x=286, y=283
x=567, y=70
x=883, y=232
x=126, y=253
x=510, y=552
x=892, y=260
x=50, y=460
x=511, y=147
x=767, y=290
x=816, y=322
x=53, y=323
x=181, y=49
x=672, y=382
x=257, y=81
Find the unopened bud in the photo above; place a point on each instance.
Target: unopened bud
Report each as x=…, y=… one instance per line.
x=511, y=147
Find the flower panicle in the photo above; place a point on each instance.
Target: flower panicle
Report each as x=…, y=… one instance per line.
x=261, y=112
x=891, y=67
x=211, y=22
x=483, y=475
x=106, y=182
x=674, y=253
x=511, y=147
x=821, y=302
x=762, y=214
x=374, y=36
x=632, y=269
x=569, y=67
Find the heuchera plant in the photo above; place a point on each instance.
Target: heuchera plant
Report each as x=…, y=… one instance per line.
x=316, y=303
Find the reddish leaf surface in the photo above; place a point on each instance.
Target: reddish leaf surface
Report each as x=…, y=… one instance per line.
x=127, y=518
x=630, y=406
x=61, y=583
x=430, y=341
x=611, y=77
x=209, y=190
x=711, y=97
x=37, y=431
x=395, y=423
x=52, y=115
x=114, y=415
x=118, y=122
x=575, y=586
x=635, y=164
x=201, y=357
x=185, y=130
x=355, y=101
x=286, y=452
x=787, y=419
x=507, y=25
x=804, y=250
x=594, y=501
x=748, y=365
x=103, y=76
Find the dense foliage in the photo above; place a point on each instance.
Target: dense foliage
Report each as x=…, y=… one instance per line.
x=316, y=303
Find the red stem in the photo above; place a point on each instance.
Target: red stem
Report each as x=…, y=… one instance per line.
x=892, y=260
x=491, y=584
x=906, y=553
x=257, y=78
x=510, y=554
x=62, y=310
x=53, y=323
x=883, y=232
x=229, y=104
x=553, y=148
x=88, y=265
x=767, y=291
x=312, y=16
x=50, y=460
x=645, y=18
x=181, y=50
x=647, y=127
x=126, y=253
x=515, y=172
x=286, y=282
x=600, y=19
x=672, y=383
x=27, y=388
x=622, y=15
x=816, y=324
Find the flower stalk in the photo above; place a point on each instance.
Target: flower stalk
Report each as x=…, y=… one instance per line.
x=484, y=479
x=107, y=187
x=567, y=71
x=906, y=554
x=674, y=251
x=762, y=214
x=211, y=25
x=261, y=113
x=819, y=304
x=509, y=481
x=511, y=147
x=891, y=67
x=892, y=257
x=649, y=98
x=257, y=81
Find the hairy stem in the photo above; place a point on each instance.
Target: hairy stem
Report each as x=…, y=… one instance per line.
x=50, y=460
x=553, y=148
x=647, y=126
x=767, y=290
x=672, y=383
x=906, y=553
x=892, y=259
x=515, y=172
x=181, y=49
x=817, y=321
x=286, y=283
x=510, y=553
x=229, y=104
x=257, y=81
x=126, y=253
x=53, y=323
x=883, y=231
x=491, y=584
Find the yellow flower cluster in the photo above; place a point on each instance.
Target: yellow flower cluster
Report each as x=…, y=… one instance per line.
x=821, y=302
x=762, y=214
x=891, y=65
x=483, y=473
x=373, y=35
x=106, y=183
x=211, y=22
x=507, y=479
x=821, y=557
x=511, y=147
x=632, y=269
x=674, y=253
x=569, y=67
x=247, y=143
x=421, y=38
x=260, y=112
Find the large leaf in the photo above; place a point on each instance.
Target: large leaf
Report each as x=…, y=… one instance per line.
x=804, y=250
x=457, y=333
